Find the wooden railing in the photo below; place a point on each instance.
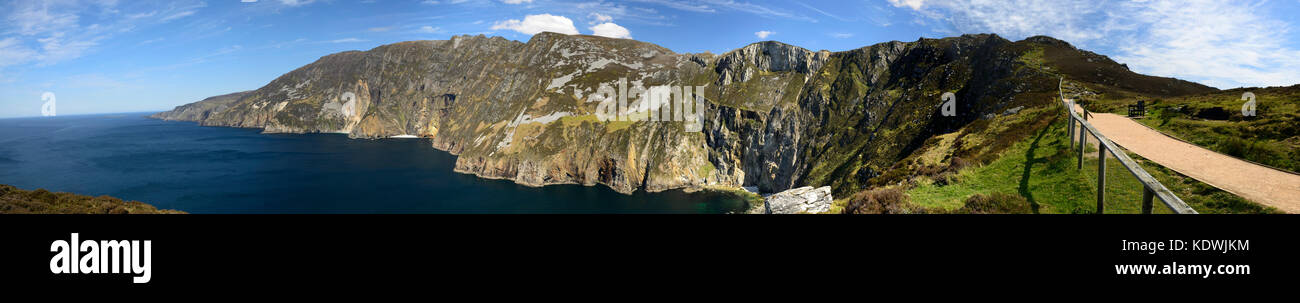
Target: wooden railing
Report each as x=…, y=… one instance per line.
x=1151, y=187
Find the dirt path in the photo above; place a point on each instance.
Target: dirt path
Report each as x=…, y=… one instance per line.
x=1248, y=180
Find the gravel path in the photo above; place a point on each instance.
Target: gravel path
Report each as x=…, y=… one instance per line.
x=1251, y=181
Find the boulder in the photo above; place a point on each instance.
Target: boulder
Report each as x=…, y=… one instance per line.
x=801, y=200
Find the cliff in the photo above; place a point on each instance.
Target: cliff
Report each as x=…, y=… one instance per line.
x=776, y=116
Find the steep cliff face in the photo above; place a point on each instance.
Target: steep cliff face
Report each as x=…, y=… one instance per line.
x=510, y=110
x=200, y=111
x=776, y=116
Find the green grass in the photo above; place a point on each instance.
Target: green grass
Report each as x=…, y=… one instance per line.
x=706, y=169
x=1034, y=58
x=1044, y=170
x=1041, y=169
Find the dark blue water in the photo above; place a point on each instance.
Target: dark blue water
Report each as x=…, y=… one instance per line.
x=179, y=165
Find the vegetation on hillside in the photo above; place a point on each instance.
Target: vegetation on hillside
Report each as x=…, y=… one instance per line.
x=1271, y=138
x=1021, y=162
x=40, y=201
x=1213, y=119
x=1039, y=174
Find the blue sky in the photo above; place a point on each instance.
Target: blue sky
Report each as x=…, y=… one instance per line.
x=101, y=56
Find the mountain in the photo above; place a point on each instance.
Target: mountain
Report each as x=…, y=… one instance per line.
x=776, y=116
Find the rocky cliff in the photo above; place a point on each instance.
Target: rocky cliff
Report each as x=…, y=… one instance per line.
x=803, y=200
x=776, y=116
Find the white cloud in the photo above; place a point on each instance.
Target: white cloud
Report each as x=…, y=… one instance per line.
x=516, y=1
x=712, y=6
x=47, y=33
x=1219, y=43
x=824, y=13
x=296, y=2
x=681, y=5
x=12, y=52
x=533, y=24
x=763, y=34
x=597, y=12
x=914, y=4
x=1222, y=44
x=177, y=16
x=841, y=35
x=600, y=18
x=57, y=48
x=142, y=15
x=759, y=10
x=429, y=29
x=611, y=30
x=36, y=19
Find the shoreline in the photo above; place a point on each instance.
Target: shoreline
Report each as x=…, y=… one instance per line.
x=742, y=192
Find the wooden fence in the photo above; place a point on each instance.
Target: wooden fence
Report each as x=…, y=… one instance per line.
x=1078, y=124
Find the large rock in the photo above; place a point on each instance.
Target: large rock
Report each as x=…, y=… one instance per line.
x=803, y=200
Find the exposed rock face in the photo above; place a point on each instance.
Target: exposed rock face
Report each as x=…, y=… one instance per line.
x=743, y=64
x=803, y=200
x=199, y=111
x=776, y=116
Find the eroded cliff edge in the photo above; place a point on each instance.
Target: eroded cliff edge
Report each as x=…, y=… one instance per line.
x=776, y=116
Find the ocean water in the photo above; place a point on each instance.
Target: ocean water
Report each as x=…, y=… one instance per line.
x=180, y=165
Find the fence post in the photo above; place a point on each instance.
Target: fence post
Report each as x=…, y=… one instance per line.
x=1147, y=198
x=1070, y=130
x=1083, y=143
x=1101, y=178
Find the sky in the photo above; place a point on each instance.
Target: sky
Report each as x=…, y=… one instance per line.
x=109, y=56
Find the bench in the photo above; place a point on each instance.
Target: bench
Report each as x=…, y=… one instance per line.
x=1138, y=110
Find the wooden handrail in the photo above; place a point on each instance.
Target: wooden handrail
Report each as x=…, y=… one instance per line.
x=1153, y=187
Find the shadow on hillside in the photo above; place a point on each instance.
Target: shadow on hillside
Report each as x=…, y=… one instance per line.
x=1029, y=166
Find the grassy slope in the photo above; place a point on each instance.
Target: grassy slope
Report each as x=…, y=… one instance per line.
x=1043, y=170
x=1027, y=155
x=1272, y=138
x=40, y=201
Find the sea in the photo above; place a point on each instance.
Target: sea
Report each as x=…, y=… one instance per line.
x=197, y=169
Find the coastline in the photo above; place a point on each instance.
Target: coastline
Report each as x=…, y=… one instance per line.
x=739, y=191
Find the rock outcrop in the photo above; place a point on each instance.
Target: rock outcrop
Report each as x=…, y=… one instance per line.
x=199, y=111
x=803, y=200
